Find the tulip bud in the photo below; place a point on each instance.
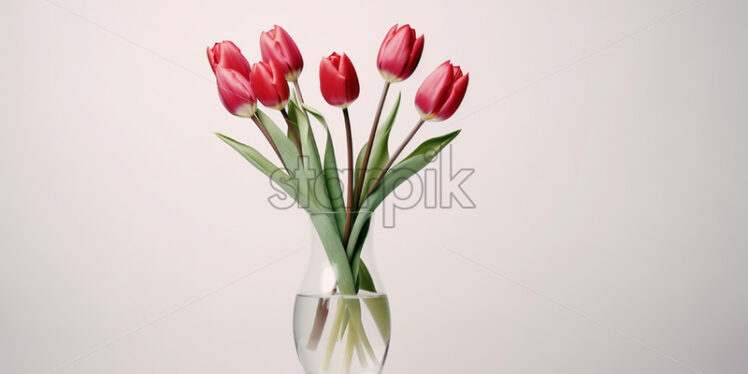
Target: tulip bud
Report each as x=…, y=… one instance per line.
x=276, y=45
x=228, y=55
x=399, y=53
x=269, y=85
x=441, y=92
x=338, y=80
x=235, y=92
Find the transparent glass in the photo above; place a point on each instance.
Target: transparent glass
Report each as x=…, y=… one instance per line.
x=337, y=332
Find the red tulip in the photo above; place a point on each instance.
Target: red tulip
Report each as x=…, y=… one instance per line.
x=441, y=92
x=399, y=53
x=338, y=80
x=276, y=45
x=269, y=85
x=228, y=55
x=235, y=92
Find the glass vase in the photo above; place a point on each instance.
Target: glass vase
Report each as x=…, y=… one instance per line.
x=337, y=331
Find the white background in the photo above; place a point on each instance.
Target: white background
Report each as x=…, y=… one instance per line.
x=609, y=140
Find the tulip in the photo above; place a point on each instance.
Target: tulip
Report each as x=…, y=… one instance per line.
x=438, y=98
x=233, y=72
x=276, y=45
x=397, y=59
x=338, y=80
x=272, y=91
x=441, y=92
x=339, y=85
x=269, y=85
x=399, y=53
x=228, y=55
x=235, y=92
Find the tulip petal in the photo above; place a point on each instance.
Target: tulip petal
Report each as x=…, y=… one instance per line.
x=415, y=57
x=347, y=70
x=397, y=51
x=235, y=92
x=454, y=99
x=332, y=83
x=271, y=51
x=386, y=40
x=228, y=55
x=279, y=82
x=264, y=87
x=434, y=90
x=338, y=81
x=277, y=45
x=290, y=49
x=211, y=58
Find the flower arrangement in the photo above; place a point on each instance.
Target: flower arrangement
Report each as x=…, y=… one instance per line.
x=313, y=179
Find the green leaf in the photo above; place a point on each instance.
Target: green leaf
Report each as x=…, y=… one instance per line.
x=293, y=123
x=315, y=179
x=328, y=233
x=332, y=178
x=398, y=174
x=365, y=281
x=380, y=312
x=286, y=147
x=378, y=306
x=264, y=165
x=358, y=246
x=330, y=237
x=343, y=326
x=379, y=151
x=289, y=134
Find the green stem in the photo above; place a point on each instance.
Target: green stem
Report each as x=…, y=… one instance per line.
x=265, y=132
x=294, y=133
x=349, y=345
x=319, y=324
x=369, y=144
x=332, y=339
x=344, y=326
x=301, y=100
x=349, y=200
x=298, y=91
x=361, y=354
x=356, y=325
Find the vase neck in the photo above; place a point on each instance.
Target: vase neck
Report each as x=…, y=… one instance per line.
x=321, y=277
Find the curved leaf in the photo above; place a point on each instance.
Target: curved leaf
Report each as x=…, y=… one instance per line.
x=398, y=174
x=378, y=306
x=332, y=178
x=315, y=179
x=379, y=151
x=264, y=165
x=328, y=234
x=286, y=146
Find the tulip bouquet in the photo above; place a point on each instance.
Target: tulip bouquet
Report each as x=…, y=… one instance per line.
x=313, y=179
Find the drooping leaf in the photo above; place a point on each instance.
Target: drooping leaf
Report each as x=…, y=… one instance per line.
x=315, y=178
x=332, y=179
x=287, y=148
x=259, y=161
